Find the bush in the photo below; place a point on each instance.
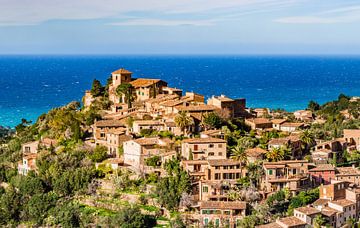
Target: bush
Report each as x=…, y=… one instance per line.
x=99, y=154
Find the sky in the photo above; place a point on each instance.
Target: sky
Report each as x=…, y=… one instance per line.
x=180, y=27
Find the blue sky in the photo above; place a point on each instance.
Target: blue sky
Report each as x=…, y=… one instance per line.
x=179, y=27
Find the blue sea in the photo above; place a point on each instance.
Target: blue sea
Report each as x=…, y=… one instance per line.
x=31, y=85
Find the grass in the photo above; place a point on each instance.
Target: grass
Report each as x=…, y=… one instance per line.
x=99, y=211
x=149, y=208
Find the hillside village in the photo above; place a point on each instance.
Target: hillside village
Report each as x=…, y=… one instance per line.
x=183, y=161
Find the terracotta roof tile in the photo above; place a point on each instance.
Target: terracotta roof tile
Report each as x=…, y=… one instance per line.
x=222, y=162
x=307, y=210
x=121, y=71
x=291, y=221
x=223, y=205
x=197, y=108
x=204, y=140
x=144, y=82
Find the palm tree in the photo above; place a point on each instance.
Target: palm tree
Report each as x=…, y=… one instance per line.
x=275, y=154
x=183, y=121
x=318, y=221
x=255, y=171
x=126, y=90
x=351, y=222
x=307, y=138
x=238, y=153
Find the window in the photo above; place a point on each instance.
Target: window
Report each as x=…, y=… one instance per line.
x=211, y=154
x=220, y=153
x=205, y=188
x=217, y=176
x=211, y=145
x=270, y=172
x=206, y=221
x=220, y=145
x=217, y=222
x=196, y=147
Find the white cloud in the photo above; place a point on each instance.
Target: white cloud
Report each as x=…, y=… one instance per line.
x=340, y=15
x=31, y=12
x=158, y=22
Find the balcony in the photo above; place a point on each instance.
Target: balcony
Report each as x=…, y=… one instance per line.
x=286, y=178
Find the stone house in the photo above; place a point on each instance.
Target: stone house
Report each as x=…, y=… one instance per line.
x=146, y=88
x=27, y=164
x=348, y=174
x=322, y=174
x=258, y=123
x=236, y=107
x=139, y=125
x=138, y=150
x=292, y=174
x=221, y=213
x=291, y=127
x=203, y=148
x=352, y=138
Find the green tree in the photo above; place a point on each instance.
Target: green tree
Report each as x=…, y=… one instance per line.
x=308, y=139
x=238, y=153
x=10, y=206
x=212, y=120
x=170, y=188
x=313, y=106
x=99, y=154
x=275, y=154
x=183, y=121
x=96, y=89
x=254, y=172
x=131, y=216
x=38, y=207
x=319, y=221
x=126, y=90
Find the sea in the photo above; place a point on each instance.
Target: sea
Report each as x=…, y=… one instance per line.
x=31, y=85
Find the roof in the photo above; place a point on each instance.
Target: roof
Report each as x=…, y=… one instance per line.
x=117, y=131
x=204, y=140
x=278, y=141
x=320, y=202
x=222, y=98
x=222, y=162
x=323, y=167
x=287, y=124
x=342, y=202
x=347, y=171
x=144, y=82
x=292, y=221
x=147, y=141
x=171, y=103
x=31, y=143
x=259, y=121
x=307, y=210
x=48, y=141
x=212, y=132
x=255, y=152
x=278, y=121
x=121, y=71
x=148, y=122
x=109, y=123
x=197, y=108
x=283, y=163
x=30, y=156
x=328, y=211
x=269, y=225
x=223, y=205
x=161, y=98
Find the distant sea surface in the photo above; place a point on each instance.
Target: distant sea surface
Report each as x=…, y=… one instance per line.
x=31, y=85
